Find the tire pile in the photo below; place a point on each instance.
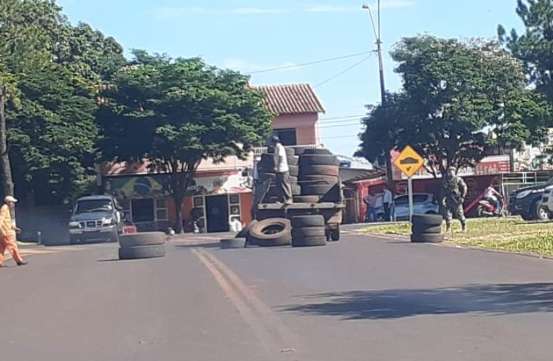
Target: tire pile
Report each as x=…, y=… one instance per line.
x=319, y=177
x=308, y=231
x=427, y=228
x=142, y=245
x=266, y=167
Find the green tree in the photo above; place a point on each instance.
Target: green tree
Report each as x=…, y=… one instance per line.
x=455, y=95
x=535, y=47
x=54, y=71
x=176, y=113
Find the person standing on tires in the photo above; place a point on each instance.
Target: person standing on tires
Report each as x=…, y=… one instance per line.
x=8, y=232
x=282, y=170
x=454, y=194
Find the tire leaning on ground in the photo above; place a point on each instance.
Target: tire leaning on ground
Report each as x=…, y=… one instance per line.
x=423, y=228
x=155, y=251
x=427, y=238
x=309, y=242
x=308, y=221
x=308, y=232
x=428, y=219
x=142, y=239
x=271, y=232
x=232, y=243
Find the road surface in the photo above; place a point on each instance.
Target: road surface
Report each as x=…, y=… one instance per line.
x=364, y=298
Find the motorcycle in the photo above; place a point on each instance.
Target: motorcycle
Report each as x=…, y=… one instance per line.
x=488, y=209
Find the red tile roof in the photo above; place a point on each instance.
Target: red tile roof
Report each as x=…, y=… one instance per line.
x=291, y=99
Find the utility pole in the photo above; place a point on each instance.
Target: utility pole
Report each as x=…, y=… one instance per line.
x=378, y=37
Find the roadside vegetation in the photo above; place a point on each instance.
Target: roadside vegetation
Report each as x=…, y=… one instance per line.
x=507, y=234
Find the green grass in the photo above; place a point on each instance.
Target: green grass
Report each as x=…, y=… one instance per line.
x=507, y=234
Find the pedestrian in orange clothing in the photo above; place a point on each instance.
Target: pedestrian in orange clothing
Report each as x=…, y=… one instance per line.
x=8, y=230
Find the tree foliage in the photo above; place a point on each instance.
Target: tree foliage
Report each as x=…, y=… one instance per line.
x=175, y=113
x=455, y=96
x=535, y=46
x=52, y=72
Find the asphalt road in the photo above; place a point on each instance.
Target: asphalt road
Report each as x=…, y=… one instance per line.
x=364, y=298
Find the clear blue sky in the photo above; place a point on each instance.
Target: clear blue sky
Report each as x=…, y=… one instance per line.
x=250, y=36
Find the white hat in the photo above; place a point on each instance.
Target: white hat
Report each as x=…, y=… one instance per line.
x=10, y=199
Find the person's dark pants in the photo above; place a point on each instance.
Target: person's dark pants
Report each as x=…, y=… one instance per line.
x=283, y=185
x=387, y=212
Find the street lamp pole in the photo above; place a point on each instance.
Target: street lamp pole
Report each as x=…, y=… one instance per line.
x=378, y=37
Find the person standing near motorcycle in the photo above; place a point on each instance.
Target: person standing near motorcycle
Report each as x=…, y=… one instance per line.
x=495, y=198
x=454, y=193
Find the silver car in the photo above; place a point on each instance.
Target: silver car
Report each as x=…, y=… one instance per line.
x=423, y=203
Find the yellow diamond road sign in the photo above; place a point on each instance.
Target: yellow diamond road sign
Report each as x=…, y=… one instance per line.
x=409, y=161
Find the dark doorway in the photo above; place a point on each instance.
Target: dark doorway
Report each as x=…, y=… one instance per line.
x=142, y=210
x=217, y=213
x=286, y=136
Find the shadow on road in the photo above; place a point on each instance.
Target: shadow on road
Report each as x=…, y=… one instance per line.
x=496, y=299
x=198, y=245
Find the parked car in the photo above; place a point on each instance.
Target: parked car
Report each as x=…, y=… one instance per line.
x=95, y=219
x=527, y=202
x=547, y=200
x=423, y=203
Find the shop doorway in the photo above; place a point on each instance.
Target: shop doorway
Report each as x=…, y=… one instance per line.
x=217, y=210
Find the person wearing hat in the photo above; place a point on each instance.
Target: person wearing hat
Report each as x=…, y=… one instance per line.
x=282, y=170
x=454, y=194
x=8, y=230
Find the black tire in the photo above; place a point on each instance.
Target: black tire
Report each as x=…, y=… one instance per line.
x=246, y=230
x=292, y=179
x=423, y=228
x=299, y=150
x=308, y=221
x=307, y=199
x=296, y=190
x=326, y=170
x=428, y=219
x=293, y=160
x=427, y=238
x=307, y=179
x=142, y=239
x=318, y=151
x=318, y=159
x=316, y=189
x=527, y=217
x=155, y=251
x=294, y=170
x=271, y=232
x=309, y=242
x=540, y=212
x=233, y=243
x=308, y=232
x=335, y=233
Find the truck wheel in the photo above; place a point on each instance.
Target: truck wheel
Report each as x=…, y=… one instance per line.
x=335, y=233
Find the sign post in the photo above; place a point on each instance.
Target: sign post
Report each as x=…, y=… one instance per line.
x=409, y=162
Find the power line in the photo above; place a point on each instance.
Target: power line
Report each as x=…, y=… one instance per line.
x=351, y=67
x=342, y=121
x=343, y=117
x=342, y=136
x=291, y=66
x=340, y=125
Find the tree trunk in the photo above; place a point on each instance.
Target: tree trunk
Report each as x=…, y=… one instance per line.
x=5, y=166
x=390, y=173
x=178, y=198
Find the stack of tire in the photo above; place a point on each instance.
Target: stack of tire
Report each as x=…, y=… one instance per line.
x=427, y=228
x=266, y=167
x=271, y=232
x=319, y=176
x=308, y=231
x=142, y=245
